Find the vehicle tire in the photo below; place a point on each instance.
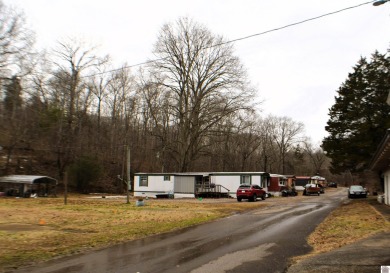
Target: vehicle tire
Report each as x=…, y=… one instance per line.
x=318, y=193
x=263, y=197
x=239, y=199
x=254, y=198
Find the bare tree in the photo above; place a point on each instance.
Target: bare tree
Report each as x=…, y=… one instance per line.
x=285, y=133
x=157, y=112
x=123, y=109
x=120, y=87
x=242, y=143
x=98, y=86
x=16, y=129
x=205, y=80
x=72, y=59
x=16, y=61
x=267, y=150
x=316, y=155
x=16, y=43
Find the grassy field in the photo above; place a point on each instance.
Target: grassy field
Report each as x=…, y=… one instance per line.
x=34, y=230
x=354, y=220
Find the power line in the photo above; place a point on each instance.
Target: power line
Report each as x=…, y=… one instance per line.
x=294, y=24
x=242, y=38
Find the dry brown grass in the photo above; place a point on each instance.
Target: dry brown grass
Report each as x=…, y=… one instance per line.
x=348, y=223
x=33, y=230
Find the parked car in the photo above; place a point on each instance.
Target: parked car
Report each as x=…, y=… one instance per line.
x=332, y=184
x=357, y=191
x=250, y=192
x=289, y=192
x=312, y=189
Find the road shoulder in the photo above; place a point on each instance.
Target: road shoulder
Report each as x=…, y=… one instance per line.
x=366, y=255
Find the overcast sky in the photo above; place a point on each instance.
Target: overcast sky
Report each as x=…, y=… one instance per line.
x=297, y=70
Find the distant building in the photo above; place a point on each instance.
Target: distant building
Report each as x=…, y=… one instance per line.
x=278, y=183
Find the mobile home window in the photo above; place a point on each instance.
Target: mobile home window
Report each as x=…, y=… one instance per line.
x=143, y=181
x=167, y=178
x=245, y=179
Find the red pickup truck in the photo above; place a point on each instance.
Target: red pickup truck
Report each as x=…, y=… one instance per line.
x=312, y=189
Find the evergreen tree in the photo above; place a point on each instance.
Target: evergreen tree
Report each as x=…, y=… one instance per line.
x=13, y=96
x=360, y=116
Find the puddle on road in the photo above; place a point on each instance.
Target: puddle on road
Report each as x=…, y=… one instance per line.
x=235, y=259
x=272, y=210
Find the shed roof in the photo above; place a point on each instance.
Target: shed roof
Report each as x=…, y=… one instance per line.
x=317, y=177
x=278, y=175
x=27, y=179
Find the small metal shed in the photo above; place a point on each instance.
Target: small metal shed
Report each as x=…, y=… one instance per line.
x=27, y=185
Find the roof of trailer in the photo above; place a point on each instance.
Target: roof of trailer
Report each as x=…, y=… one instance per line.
x=205, y=173
x=278, y=175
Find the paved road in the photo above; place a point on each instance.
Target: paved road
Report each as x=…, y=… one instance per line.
x=261, y=240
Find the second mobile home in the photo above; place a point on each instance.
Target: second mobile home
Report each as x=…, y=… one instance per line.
x=215, y=184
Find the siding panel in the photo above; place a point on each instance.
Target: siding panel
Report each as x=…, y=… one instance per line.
x=184, y=184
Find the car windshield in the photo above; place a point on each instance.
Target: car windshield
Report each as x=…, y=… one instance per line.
x=244, y=186
x=356, y=188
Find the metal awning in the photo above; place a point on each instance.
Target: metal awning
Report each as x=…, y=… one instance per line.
x=28, y=179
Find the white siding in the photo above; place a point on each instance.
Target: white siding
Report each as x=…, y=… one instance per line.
x=232, y=181
x=184, y=184
x=156, y=185
x=387, y=187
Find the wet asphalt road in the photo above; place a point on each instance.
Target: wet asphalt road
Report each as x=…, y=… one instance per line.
x=261, y=240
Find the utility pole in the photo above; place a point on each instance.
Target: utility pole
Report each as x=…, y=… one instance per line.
x=128, y=174
x=65, y=188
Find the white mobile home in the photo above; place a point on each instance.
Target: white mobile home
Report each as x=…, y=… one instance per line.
x=155, y=184
x=215, y=184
